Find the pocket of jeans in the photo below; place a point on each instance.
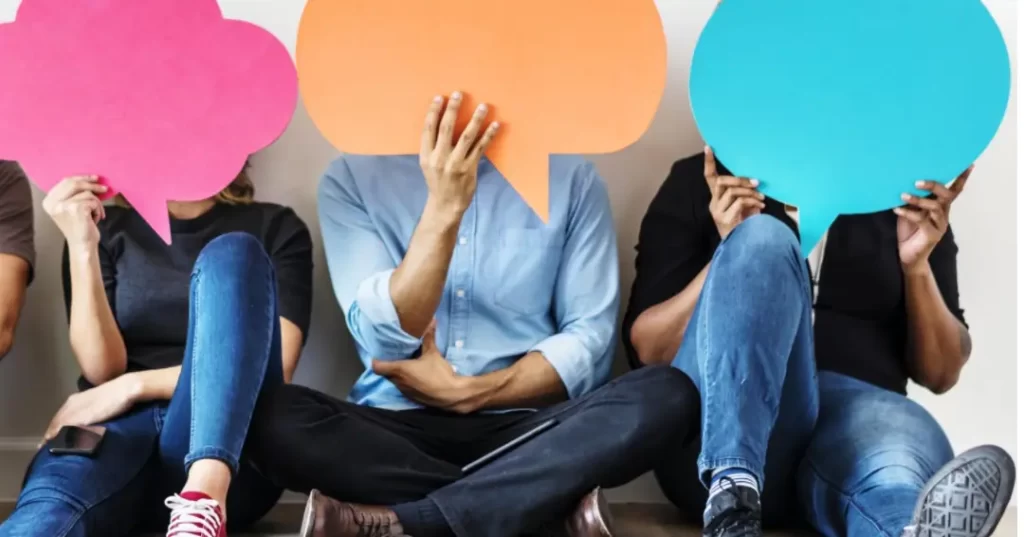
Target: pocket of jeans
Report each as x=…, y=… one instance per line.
x=527, y=269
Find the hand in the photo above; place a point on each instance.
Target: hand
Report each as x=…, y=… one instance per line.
x=733, y=199
x=96, y=405
x=429, y=380
x=75, y=208
x=923, y=221
x=451, y=171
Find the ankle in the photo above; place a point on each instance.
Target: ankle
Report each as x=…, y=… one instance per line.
x=209, y=477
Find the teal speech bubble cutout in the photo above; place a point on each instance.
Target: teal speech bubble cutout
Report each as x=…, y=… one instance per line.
x=839, y=106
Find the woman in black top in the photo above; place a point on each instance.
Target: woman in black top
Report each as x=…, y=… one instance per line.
x=885, y=310
x=175, y=344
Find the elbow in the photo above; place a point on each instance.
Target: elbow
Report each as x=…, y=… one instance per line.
x=102, y=373
x=101, y=367
x=940, y=383
x=648, y=349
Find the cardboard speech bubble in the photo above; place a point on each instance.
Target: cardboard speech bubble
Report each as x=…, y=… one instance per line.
x=163, y=99
x=585, y=77
x=840, y=106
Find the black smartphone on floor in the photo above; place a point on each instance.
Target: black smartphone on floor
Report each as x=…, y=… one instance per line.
x=514, y=443
x=75, y=440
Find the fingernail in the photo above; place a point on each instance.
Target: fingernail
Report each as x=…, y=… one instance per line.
x=920, y=184
x=438, y=98
x=760, y=196
x=905, y=197
x=457, y=95
x=104, y=188
x=754, y=182
x=496, y=124
x=707, y=149
x=481, y=108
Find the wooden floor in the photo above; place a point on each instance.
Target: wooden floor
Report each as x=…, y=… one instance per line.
x=631, y=520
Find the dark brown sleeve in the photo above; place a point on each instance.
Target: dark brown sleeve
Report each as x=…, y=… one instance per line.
x=943, y=263
x=16, y=231
x=673, y=246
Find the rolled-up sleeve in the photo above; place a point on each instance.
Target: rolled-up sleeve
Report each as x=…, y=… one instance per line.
x=586, y=291
x=360, y=267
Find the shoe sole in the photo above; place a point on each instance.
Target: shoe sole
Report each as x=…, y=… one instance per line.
x=309, y=515
x=968, y=496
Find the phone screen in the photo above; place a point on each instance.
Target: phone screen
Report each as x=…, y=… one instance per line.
x=75, y=440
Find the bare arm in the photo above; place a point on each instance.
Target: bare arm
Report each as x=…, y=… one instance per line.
x=529, y=383
x=658, y=332
x=14, y=273
x=416, y=285
x=938, y=343
x=291, y=348
x=95, y=337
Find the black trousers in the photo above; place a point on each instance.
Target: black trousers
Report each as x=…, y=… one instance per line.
x=303, y=439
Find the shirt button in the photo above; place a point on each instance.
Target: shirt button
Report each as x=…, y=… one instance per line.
x=463, y=241
x=460, y=293
x=459, y=344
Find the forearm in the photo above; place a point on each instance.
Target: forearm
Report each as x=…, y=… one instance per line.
x=938, y=344
x=529, y=383
x=95, y=337
x=416, y=285
x=153, y=385
x=658, y=332
x=13, y=281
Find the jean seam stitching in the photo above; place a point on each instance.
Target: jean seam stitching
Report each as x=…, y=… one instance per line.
x=849, y=497
x=197, y=281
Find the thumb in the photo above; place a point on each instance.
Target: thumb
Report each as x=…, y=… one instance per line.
x=385, y=368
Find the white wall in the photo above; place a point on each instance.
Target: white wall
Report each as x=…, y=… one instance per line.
x=39, y=373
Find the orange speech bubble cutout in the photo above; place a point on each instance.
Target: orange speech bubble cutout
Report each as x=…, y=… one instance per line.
x=563, y=76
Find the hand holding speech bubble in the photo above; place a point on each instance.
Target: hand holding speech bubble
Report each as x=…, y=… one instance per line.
x=840, y=106
x=163, y=99
x=571, y=76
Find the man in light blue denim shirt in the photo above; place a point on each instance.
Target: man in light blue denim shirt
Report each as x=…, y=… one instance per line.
x=477, y=322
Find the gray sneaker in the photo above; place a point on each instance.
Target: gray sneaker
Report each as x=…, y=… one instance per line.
x=966, y=497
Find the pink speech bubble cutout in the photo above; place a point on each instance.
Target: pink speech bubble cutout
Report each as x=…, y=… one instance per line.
x=163, y=99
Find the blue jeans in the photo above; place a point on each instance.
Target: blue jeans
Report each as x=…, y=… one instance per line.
x=749, y=348
x=232, y=355
x=869, y=459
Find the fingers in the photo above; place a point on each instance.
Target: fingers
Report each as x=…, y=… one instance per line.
x=430, y=338
x=947, y=195
x=916, y=216
x=710, y=166
x=736, y=188
x=469, y=135
x=925, y=204
x=485, y=141
x=73, y=185
x=428, y=140
x=742, y=207
x=451, y=114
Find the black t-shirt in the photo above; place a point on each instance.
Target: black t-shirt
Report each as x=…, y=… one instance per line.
x=860, y=328
x=147, y=281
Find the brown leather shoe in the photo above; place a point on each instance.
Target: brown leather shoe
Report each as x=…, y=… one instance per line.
x=327, y=517
x=592, y=517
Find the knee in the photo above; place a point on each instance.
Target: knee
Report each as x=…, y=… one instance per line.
x=764, y=238
x=273, y=421
x=235, y=253
x=667, y=401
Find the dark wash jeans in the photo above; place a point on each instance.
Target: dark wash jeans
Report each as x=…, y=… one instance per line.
x=233, y=353
x=838, y=454
x=303, y=439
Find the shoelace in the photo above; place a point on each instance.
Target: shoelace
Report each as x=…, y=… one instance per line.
x=373, y=525
x=742, y=517
x=192, y=518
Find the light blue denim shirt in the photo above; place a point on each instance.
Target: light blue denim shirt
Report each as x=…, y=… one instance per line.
x=515, y=285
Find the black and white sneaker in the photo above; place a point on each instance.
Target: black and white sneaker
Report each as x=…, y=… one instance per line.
x=733, y=512
x=967, y=497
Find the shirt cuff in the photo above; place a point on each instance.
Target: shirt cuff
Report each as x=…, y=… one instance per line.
x=571, y=360
x=374, y=300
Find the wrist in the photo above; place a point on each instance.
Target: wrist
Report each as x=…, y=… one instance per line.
x=445, y=213
x=133, y=386
x=916, y=268
x=470, y=394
